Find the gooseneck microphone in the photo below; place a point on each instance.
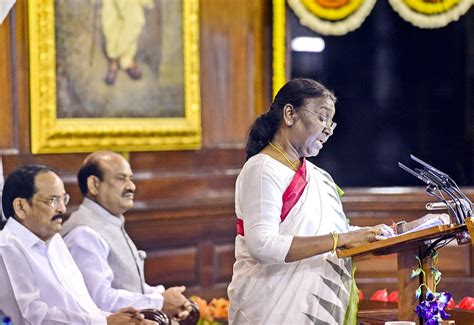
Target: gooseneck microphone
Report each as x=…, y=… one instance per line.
x=443, y=187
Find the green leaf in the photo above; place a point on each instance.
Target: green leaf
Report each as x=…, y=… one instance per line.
x=415, y=273
x=436, y=274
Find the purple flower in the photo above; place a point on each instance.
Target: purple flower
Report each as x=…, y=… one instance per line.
x=444, y=298
x=432, y=309
x=444, y=315
x=430, y=296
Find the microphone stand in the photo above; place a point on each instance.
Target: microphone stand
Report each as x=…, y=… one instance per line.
x=462, y=203
x=459, y=205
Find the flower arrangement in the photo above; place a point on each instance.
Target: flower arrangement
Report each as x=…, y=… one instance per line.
x=215, y=312
x=432, y=308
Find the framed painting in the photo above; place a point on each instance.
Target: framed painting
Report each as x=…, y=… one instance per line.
x=114, y=74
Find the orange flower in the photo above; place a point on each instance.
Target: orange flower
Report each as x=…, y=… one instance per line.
x=219, y=307
x=204, y=311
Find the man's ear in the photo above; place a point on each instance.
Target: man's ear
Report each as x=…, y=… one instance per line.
x=19, y=206
x=93, y=185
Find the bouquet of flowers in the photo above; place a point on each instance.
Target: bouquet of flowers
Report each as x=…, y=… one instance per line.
x=213, y=313
x=432, y=308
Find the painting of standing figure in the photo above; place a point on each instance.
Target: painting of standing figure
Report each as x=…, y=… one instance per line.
x=122, y=23
x=119, y=58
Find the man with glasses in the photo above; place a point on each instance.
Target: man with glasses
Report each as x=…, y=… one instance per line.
x=39, y=281
x=111, y=264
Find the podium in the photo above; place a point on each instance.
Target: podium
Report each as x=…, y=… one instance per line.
x=408, y=246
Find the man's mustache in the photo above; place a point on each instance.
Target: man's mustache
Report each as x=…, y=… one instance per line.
x=128, y=192
x=58, y=216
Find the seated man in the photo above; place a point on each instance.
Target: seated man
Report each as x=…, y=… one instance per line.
x=95, y=235
x=39, y=281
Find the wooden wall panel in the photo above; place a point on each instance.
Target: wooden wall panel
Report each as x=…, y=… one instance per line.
x=185, y=186
x=455, y=261
x=187, y=161
x=7, y=133
x=14, y=97
x=231, y=61
x=183, y=262
x=224, y=260
x=382, y=268
x=22, y=75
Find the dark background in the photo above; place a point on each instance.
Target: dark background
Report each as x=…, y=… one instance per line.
x=401, y=90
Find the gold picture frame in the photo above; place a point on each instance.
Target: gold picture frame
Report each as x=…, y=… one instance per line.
x=50, y=134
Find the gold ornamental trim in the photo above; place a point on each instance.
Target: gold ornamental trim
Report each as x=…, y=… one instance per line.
x=431, y=13
x=332, y=17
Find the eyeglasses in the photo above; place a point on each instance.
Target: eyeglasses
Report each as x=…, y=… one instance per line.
x=53, y=201
x=326, y=121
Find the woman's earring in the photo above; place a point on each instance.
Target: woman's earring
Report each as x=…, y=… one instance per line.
x=288, y=123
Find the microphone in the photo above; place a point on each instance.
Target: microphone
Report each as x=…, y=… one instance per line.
x=431, y=168
x=438, y=183
x=442, y=205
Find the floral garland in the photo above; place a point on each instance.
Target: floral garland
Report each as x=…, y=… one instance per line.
x=430, y=14
x=332, y=9
x=332, y=17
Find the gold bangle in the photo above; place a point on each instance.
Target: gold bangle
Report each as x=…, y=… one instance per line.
x=335, y=237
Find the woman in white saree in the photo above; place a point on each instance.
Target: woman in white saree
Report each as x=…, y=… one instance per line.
x=290, y=219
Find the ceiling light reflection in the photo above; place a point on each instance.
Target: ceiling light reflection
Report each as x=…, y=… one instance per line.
x=307, y=44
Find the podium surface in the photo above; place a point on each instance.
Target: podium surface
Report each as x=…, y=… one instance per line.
x=399, y=243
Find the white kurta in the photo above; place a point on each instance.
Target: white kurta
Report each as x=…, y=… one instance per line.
x=39, y=281
x=265, y=289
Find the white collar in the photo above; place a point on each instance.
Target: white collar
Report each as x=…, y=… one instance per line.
x=28, y=239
